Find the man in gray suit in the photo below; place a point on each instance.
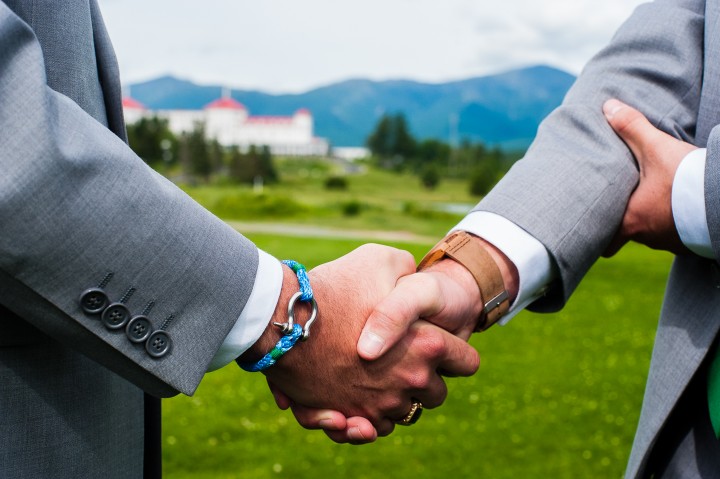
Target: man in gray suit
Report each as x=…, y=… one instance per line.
x=114, y=282
x=559, y=208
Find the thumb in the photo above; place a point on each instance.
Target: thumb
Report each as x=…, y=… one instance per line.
x=415, y=296
x=631, y=126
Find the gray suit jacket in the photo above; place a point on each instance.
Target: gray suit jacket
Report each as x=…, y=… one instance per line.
x=571, y=189
x=75, y=205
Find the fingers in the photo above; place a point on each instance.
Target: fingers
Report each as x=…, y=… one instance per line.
x=326, y=419
x=414, y=296
x=461, y=359
x=281, y=399
x=632, y=126
x=353, y=430
x=454, y=356
x=385, y=262
x=359, y=431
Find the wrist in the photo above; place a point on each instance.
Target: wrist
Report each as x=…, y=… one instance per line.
x=460, y=276
x=272, y=334
x=487, y=265
x=510, y=275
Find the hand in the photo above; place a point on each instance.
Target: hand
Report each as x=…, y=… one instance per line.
x=325, y=371
x=444, y=294
x=447, y=288
x=648, y=218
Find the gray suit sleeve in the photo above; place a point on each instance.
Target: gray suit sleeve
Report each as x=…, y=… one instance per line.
x=712, y=190
x=571, y=188
x=76, y=204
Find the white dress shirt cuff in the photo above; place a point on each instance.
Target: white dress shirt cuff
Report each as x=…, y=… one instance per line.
x=257, y=312
x=688, y=204
x=529, y=256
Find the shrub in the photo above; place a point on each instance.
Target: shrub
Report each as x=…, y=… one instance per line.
x=430, y=177
x=351, y=208
x=243, y=205
x=481, y=182
x=336, y=183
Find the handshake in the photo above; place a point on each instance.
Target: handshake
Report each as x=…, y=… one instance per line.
x=384, y=337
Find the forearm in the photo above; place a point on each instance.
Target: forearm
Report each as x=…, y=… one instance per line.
x=571, y=189
x=77, y=204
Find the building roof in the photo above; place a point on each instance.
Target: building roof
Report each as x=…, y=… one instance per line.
x=225, y=103
x=131, y=103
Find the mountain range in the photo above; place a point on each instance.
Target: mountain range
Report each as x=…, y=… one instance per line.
x=503, y=109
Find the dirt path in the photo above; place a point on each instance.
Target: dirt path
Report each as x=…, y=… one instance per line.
x=289, y=229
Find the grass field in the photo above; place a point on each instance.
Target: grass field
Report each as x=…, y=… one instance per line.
x=556, y=396
x=383, y=200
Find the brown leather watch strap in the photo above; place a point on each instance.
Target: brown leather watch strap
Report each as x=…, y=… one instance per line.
x=474, y=257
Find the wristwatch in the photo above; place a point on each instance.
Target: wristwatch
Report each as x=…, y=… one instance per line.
x=460, y=247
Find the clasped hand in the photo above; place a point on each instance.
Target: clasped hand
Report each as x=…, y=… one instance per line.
x=329, y=386
x=648, y=218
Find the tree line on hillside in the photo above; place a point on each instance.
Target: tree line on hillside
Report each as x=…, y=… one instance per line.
x=196, y=156
x=394, y=147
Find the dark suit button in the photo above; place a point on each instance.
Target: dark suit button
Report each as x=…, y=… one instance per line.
x=93, y=300
x=158, y=344
x=115, y=316
x=138, y=329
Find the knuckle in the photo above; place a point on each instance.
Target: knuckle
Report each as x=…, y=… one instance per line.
x=433, y=344
x=407, y=258
x=431, y=284
x=394, y=406
x=401, y=261
x=419, y=380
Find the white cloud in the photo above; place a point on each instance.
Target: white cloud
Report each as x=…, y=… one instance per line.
x=290, y=45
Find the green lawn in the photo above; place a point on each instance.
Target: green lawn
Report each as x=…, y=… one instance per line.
x=556, y=396
x=385, y=200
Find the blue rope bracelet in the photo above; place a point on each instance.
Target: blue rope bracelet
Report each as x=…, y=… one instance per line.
x=299, y=270
x=292, y=332
x=283, y=346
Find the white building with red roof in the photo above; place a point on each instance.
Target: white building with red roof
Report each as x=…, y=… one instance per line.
x=133, y=110
x=230, y=123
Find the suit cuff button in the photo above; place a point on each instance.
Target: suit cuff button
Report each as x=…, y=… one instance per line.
x=158, y=344
x=115, y=316
x=138, y=329
x=93, y=301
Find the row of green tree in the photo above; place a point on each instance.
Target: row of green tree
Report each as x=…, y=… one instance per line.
x=394, y=147
x=196, y=156
x=199, y=158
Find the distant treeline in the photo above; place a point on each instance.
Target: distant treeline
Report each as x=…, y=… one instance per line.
x=394, y=147
x=198, y=158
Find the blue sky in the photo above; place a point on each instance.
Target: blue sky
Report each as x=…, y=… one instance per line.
x=295, y=45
